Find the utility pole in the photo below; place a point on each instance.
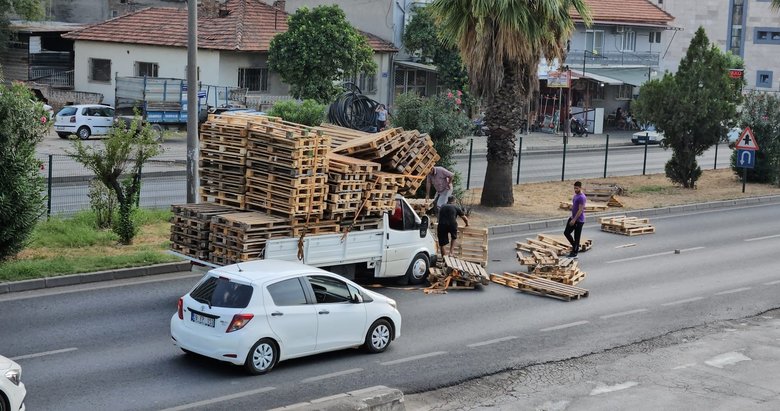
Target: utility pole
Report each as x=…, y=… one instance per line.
x=192, y=101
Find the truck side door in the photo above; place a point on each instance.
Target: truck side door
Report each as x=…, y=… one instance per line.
x=403, y=239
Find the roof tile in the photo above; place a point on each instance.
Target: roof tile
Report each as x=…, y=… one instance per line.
x=625, y=11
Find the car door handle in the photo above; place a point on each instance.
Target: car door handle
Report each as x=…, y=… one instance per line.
x=276, y=314
x=324, y=312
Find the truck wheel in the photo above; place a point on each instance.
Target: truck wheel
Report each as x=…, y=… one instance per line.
x=84, y=132
x=418, y=269
x=157, y=132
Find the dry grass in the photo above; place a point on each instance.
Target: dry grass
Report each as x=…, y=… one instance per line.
x=540, y=201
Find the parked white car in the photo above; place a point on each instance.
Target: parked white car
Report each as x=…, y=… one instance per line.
x=261, y=312
x=12, y=390
x=84, y=120
x=647, y=135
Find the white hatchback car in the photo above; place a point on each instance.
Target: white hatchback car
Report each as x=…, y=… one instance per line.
x=12, y=390
x=84, y=120
x=261, y=312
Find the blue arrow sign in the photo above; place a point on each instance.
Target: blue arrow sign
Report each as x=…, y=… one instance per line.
x=746, y=158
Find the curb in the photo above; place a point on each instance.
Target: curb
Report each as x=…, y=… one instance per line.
x=377, y=398
x=83, y=278
x=557, y=223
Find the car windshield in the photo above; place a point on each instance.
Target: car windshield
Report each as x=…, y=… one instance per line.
x=221, y=292
x=67, y=111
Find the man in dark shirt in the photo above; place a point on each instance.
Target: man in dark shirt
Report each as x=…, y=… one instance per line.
x=448, y=225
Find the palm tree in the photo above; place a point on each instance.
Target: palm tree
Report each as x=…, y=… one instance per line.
x=501, y=43
x=775, y=5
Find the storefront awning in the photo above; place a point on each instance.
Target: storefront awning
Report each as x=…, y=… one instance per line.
x=635, y=76
x=418, y=66
x=577, y=74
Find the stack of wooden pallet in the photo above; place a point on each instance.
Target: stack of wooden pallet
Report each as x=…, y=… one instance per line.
x=453, y=273
x=532, y=284
x=546, y=264
x=471, y=246
x=223, y=160
x=191, y=227
x=348, y=180
x=555, y=243
x=605, y=193
x=626, y=225
x=237, y=237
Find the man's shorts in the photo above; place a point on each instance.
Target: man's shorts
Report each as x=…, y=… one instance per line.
x=445, y=232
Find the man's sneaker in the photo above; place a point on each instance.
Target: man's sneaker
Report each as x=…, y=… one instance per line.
x=572, y=255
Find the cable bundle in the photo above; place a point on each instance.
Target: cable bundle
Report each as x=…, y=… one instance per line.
x=353, y=110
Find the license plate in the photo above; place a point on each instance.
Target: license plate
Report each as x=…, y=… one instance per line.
x=201, y=319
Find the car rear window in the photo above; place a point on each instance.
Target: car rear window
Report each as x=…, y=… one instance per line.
x=221, y=292
x=67, y=111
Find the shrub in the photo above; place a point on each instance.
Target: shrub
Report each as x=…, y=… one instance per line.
x=103, y=202
x=309, y=113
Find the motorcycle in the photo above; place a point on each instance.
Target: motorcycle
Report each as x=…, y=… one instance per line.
x=578, y=127
x=479, y=127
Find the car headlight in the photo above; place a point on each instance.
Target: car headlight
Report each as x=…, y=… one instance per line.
x=14, y=376
x=392, y=303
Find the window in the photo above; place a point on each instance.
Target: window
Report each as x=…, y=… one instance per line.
x=100, y=70
x=735, y=33
x=655, y=37
x=329, y=290
x=596, y=90
x=629, y=41
x=365, y=82
x=594, y=41
x=146, y=69
x=766, y=35
x=764, y=79
x=253, y=79
x=410, y=81
x=625, y=92
x=287, y=292
x=221, y=292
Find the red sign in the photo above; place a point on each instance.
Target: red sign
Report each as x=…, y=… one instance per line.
x=746, y=141
x=736, y=73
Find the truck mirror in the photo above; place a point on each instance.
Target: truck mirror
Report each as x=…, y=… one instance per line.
x=424, y=222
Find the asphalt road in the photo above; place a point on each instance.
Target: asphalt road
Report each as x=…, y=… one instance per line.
x=106, y=347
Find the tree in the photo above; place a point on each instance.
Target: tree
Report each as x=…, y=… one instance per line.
x=692, y=107
x=501, y=42
x=132, y=146
x=319, y=48
x=27, y=9
x=761, y=112
x=22, y=125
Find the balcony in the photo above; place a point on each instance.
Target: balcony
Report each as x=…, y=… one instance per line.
x=616, y=58
x=53, y=77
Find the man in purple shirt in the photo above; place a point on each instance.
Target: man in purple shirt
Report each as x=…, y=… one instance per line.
x=576, y=221
x=441, y=179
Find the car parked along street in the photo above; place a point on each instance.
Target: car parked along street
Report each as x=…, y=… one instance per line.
x=84, y=120
x=12, y=389
x=261, y=312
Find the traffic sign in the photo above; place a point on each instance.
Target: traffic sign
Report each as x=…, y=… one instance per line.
x=746, y=141
x=746, y=158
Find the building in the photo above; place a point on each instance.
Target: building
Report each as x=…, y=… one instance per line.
x=233, y=42
x=747, y=28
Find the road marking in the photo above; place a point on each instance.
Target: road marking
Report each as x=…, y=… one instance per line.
x=639, y=310
x=729, y=358
x=689, y=300
x=641, y=257
x=488, y=342
x=416, y=357
x=762, y=238
x=220, y=399
x=772, y=282
x=604, y=389
x=562, y=326
x=626, y=245
x=43, y=354
x=331, y=375
x=736, y=290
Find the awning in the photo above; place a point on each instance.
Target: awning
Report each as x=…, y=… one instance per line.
x=635, y=76
x=418, y=66
x=595, y=77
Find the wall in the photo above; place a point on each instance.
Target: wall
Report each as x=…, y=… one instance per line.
x=711, y=14
x=372, y=16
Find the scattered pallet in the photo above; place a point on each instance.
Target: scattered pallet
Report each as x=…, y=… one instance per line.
x=589, y=206
x=626, y=225
x=455, y=274
x=558, y=244
x=471, y=246
x=550, y=266
x=539, y=286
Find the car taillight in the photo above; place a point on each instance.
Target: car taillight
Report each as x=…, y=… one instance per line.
x=239, y=321
x=180, y=308
x=73, y=119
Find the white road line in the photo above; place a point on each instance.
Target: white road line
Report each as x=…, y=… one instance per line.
x=688, y=300
x=415, y=358
x=43, y=354
x=639, y=310
x=562, y=326
x=626, y=245
x=488, y=342
x=772, y=282
x=331, y=375
x=762, y=238
x=736, y=290
x=641, y=257
x=220, y=399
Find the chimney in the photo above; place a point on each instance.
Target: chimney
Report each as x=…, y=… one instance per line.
x=280, y=4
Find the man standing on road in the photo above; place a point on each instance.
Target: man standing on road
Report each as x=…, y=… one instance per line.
x=576, y=221
x=447, y=229
x=441, y=179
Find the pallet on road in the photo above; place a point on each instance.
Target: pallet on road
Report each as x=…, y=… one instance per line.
x=626, y=225
x=539, y=286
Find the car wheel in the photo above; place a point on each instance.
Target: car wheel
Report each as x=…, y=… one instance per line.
x=84, y=132
x=418, y=269
x=262, y=357
x=157, y=132
x=4, y=403
x=378, y=337
x=63, y=135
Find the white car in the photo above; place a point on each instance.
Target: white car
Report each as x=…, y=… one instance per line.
x=12, y=390
x=647, y=135
x=84, y=120
x=261, y=312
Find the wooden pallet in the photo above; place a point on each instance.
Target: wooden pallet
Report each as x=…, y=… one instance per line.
x=440, y=282
x=539, y=286
x=555, y=243
x=589, y=206
x=465, y=269
x=372, y=146
x=340, y=135
x=626, y=225
x=191, y=227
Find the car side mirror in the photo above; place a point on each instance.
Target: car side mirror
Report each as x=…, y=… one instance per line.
x=357, y=299
x=424, y=223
